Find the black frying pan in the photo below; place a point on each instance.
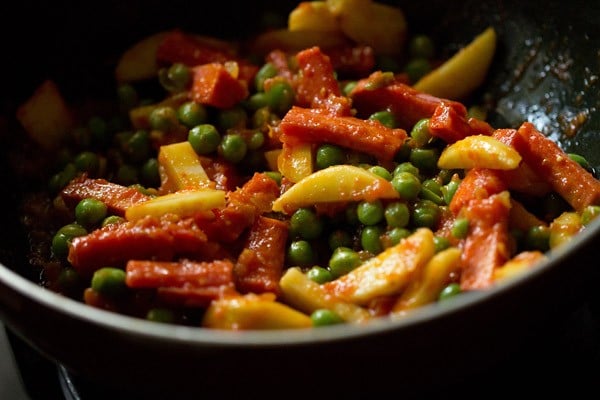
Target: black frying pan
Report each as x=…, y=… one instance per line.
x=546, y=71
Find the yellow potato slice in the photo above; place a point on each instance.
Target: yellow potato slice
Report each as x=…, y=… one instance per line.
x=253, y=312
x=184, y=203
x=464, y=72
x=334, y=184
x=295, y=162
x=479, y=151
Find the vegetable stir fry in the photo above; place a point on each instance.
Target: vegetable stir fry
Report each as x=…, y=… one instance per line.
x=332, y=171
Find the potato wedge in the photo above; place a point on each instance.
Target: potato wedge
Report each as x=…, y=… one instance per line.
x=295, y=162
x=479, y=151
x=460, y=75
x=45, y=116
x=180, y=168
x=337, y=183
x=183, y=203
x=138, y=62
x=312, y=15
x=306, y=295
x=386, y=274
x=253, y=312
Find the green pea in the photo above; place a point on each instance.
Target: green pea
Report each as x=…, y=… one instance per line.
x=580, y=160
x=127, y=97
x=350, y=214
x=349, y=87
x=381, y=171
x=112, y=219
x=109, y=282
x=477, y=111
x=87, y=161
x=394, y=236
x=256, y=101
x=440, y=243
x=68, y=279
x=449, y=291
x=538, y=238
x=589, y=213
x=385, y=117
x=370, y=239
x=175, y=78
x=127, y=175
x=424, y=159
x=328, y=155
x=460, y=228
x=256, y=140
x=275, y=175
x=370, y=213
x=280, y=97
x=265, y=72
x=305, y=223
x=233, y=147
x=319, y=274
x=421, y=46
x=139, y=146
x=417, y=68
x=427, y=194
x=149, y=173
x=339, y=238
x=163, y=118
x=160, y=314
x=62, y=238
x=426, y=214
x=397, y=214
x=403, y=152
x=448, y=190
x=90, y=212
x=406, y=166
x=231, y=118
x=407, y=185
x=191, y=114
x=300, y=253
x=420, y=134
x=99, y=131
x=343, y=260
x=204, y=138
x=325, y=317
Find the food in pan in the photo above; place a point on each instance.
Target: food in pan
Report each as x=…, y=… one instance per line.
x=331, y=171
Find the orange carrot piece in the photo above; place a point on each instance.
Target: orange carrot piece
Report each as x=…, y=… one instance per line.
x=319, y=126
x=450, y=123
x=155, y=274
x=316, y=79
x=149, y=237
x=487, y=245
x=522, y=179
x=569, y=179
x=377, y=92
x=213, y=85
x=478, y=183
x=260, y=264
x=116, y=197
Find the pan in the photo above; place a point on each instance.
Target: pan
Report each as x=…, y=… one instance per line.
x=545, y=71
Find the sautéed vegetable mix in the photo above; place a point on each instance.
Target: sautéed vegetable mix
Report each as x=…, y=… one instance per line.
x=331, y=171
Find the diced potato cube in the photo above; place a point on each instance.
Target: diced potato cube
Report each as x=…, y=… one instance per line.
x=180, y=168
x=479, y=151
x=464, y=72
x=337, y=183
x=253, y=312
x=183, y=203
x=138, y=62
x=45, y=116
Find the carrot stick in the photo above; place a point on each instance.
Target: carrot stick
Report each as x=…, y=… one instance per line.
x=478, y=183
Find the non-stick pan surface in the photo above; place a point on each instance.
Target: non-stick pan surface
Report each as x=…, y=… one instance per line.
x=546, y=71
